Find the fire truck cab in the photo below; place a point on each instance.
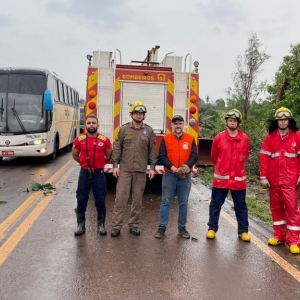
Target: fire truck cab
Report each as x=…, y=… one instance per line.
x=166, y=88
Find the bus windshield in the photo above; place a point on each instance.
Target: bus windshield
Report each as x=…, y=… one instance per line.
x=21, y=103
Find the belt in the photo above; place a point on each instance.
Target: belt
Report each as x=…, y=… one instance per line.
x=100, y=169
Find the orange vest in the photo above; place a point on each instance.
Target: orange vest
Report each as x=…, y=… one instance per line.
x=178, y=150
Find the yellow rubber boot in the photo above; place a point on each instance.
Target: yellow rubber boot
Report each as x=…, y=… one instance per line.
x=245, y=236
x=294, y=249
x=211, y=234
x=274, y=242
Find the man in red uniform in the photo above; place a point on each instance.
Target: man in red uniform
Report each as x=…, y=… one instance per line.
x=92, y=150
x=229, y=153
x=279, y=171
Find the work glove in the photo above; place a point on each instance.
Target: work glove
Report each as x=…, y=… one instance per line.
x=180, y=174
x=186, y=169
x=298, y=181
x=265, y=183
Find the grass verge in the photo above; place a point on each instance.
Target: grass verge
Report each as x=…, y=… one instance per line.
x=259, y=209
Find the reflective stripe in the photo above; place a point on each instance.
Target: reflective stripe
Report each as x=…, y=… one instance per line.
x=227, y=177
x=279, y=222
x=240, y=178
x=293, y=227
x=276, y=154
x=265, y=152
x=221, y=177
x=290, y=154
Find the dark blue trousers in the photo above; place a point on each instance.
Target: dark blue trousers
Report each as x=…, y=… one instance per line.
x=240, y=207
x=98, y=185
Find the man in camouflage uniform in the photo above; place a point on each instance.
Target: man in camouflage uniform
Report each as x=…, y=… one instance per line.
x=132, y=149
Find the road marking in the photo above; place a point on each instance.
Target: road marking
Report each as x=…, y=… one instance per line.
x=19, y=233
x=261, y=245
x=22, y=209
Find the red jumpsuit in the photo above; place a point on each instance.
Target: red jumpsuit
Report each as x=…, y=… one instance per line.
x=280, y=165
x=229, y=155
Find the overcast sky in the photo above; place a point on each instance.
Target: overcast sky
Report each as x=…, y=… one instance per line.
x=57, y=35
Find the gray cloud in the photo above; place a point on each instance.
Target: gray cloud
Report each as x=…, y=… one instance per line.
x=5, y=21
x=225, y=13
x=105, y=14
x=57, y=34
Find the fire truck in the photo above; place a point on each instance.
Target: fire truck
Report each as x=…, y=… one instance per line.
x=166, y=88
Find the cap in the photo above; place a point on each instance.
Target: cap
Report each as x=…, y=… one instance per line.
x=177, y=118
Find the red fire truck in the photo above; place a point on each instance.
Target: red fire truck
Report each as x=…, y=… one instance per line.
x=166, y=88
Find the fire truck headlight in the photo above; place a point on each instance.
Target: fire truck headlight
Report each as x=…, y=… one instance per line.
x=36, y=142
x=192, y=122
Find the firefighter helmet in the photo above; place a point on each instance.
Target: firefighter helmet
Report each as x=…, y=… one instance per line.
x=137, y=107
x=283, y=113
x=234, y=114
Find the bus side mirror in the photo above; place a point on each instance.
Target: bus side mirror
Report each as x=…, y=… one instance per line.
x=48, y=100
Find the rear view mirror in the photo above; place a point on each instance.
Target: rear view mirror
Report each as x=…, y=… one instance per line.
x=48, y=100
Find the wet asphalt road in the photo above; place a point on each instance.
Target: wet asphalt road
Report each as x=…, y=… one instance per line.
x=41, y=259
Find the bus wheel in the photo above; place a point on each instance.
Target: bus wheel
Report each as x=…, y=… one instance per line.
x=53, y=155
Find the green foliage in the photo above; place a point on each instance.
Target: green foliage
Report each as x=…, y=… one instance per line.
x=256, y=128
x=285, y=91
x=46, y=188
x=260, y=209
x=220, y=104
x=2, y=202
x=205, y=174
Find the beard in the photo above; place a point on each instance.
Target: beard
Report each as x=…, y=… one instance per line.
x=137, y=121
x=232, y=128
x=178, y=131
x=91, y=130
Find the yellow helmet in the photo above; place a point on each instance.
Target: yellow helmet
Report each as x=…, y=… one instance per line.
x=283, y=113
x=138, y=107
x=235, y=114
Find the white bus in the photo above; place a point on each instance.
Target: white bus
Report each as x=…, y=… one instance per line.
x=39, y=113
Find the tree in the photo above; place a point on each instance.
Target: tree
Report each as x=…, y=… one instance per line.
x=246, y=86
x=220, y=104
x=209, y=122
x=285, y=90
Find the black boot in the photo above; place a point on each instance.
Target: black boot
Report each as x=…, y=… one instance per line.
x=81, y=224
x=101, y=227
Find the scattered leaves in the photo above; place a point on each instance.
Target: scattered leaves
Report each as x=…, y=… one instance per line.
x=2, y=202
x=194, y=239
x=46, y=188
